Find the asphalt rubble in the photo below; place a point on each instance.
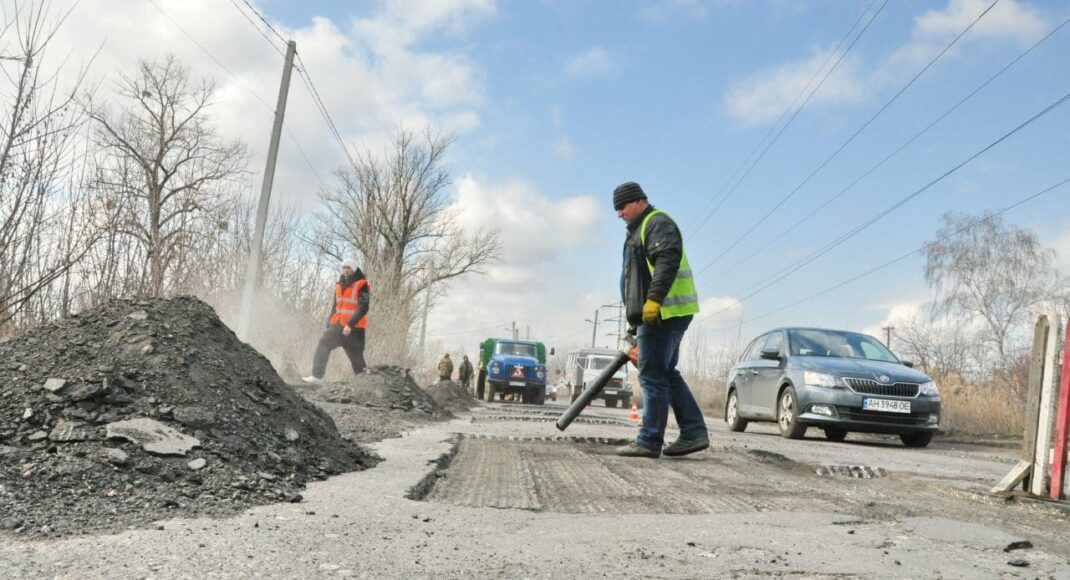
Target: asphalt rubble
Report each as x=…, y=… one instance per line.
x=142, y=410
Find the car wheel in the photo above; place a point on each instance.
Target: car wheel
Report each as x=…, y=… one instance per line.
x=917, y=440
x=835, y=434
x=787, y=416
x=735, y=421
x=611, y=402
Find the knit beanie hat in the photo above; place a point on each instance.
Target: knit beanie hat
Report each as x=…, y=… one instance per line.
x=351, y=262
x=627, y=193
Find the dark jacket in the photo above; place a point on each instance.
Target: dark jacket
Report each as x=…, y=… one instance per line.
x=363, y=299
x=465, y=372
x=664, y=248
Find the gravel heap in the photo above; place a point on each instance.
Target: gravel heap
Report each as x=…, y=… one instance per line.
x=146, y=409
x=383, y=387
x=452, y=396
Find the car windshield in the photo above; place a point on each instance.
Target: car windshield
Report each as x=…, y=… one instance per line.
x=598, y=362
x=831, y=343
x=516, y=349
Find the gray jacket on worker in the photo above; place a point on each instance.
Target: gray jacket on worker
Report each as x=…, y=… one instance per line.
x=664, y=248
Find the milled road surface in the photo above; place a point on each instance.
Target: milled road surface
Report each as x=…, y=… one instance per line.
x=520, y=499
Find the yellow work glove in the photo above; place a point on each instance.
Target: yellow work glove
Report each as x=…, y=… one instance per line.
x=651, y=312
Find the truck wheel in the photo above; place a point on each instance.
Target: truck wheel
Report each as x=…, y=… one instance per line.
x=490, y=392
x=626, y=402
x=481, y=383
x=611, y=402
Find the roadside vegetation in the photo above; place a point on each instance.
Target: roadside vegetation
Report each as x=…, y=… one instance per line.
x=124, y=186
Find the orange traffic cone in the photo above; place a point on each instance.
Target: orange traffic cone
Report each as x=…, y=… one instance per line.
x=635, y=412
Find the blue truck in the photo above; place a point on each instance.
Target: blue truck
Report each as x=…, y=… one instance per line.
x=512, y=367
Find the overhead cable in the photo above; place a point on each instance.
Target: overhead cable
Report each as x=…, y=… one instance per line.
x=850, y=139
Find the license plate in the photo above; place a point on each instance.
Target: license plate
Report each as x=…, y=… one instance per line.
x=886, y=405
x=610, y=392
x=516, y=383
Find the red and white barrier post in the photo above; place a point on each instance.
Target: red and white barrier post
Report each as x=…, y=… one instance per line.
x=1062, y=423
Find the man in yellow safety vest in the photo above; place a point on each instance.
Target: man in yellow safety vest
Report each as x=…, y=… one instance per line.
x=659, y=301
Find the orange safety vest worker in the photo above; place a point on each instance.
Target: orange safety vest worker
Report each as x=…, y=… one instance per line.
x=345, y=304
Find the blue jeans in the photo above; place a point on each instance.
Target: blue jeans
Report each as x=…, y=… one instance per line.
x=663, y=387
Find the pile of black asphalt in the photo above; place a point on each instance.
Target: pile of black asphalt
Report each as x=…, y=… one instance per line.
x=451, y=396
x=383, y=387
x=142, y=410
x=383, y=402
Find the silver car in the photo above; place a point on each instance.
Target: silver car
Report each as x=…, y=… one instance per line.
x=836, y=380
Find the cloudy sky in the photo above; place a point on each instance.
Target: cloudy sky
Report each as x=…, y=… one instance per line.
x=740, y=118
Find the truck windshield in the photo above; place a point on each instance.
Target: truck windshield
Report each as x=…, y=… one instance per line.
x=517, y=349
x=598, y=362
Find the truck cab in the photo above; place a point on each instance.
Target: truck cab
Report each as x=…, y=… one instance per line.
x=512, y=367
x=585, y=364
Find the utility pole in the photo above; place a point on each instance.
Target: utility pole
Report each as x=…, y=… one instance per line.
x=594, y=331
x=252, y=272
x=888, y=330
x=515, y=333
x=527, y=332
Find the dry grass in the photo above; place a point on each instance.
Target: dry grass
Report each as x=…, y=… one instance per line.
x=709, y=393
x=981, y=408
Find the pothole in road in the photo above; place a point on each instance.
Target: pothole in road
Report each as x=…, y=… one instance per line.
x=583, y=475
x=859, y=471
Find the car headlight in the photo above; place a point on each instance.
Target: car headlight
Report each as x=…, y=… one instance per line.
x=929, y=389
x=540, y=372
x=494, y=368
x=814, y=379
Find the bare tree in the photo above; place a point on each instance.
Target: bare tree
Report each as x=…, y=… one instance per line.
x=939, y=348
x=394, y=213
x=980, y=268
x=39, y=238
x=167, y=177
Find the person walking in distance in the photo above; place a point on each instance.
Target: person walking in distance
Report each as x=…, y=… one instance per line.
x=346, y=324
x=660, y=301
x=445, y=368
x=464, y=372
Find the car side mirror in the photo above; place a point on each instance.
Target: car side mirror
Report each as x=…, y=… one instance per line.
x=907, y=363
x=551, y=351
x=771, y=353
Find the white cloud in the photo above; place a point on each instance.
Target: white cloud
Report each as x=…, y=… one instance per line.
x=373, y=73
x=594, y=62
x=532, y=226
x=537, y=280
x=1008, y=19
x=765, y=95
x=564, y=149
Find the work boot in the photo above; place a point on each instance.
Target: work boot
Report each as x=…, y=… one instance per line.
x=686, y=446
x=634, y=449
x=312, y=380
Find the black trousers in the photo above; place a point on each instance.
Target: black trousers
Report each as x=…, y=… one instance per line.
x=333, y=338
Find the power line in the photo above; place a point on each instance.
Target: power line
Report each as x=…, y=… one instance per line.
x=243, y=85
x=910, y=141
x=306, y=79
x=264, y=20
x=786, y=111
x=892, y=262
x=850, y=139
x=211, y=56
x=764, y=284
x=258, y=29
